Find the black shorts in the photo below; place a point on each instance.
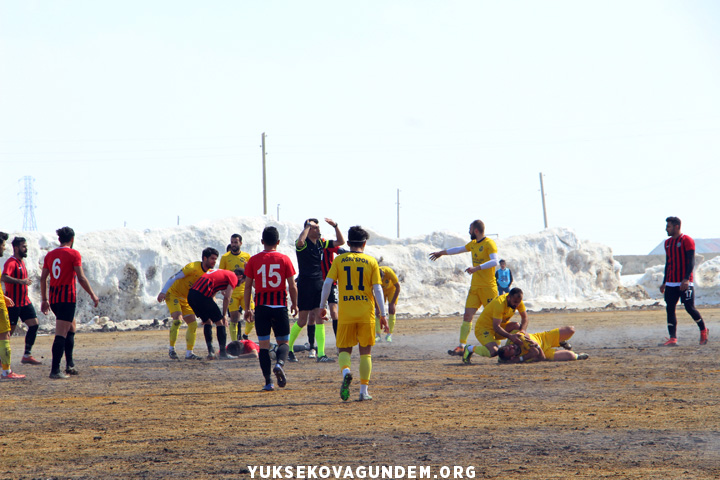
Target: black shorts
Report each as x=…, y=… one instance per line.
x=21, y=313
x=309, y=292
x=673, y=294
x=333, y=297
x=204, y=307
x=272, y=318
x=64, y=311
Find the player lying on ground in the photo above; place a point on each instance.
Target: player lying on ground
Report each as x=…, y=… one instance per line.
x=536, y=347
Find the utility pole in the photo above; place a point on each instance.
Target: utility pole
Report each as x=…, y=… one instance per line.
x=542, y=193
x=264, y=176
x=29, y=193
x=398, y=213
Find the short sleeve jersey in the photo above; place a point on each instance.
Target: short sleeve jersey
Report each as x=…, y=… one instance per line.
x=677, y=255
x=230, y=261
x=214, y=281
x=310, y=257
x=61, y=264
x=355, y=273
x=327, y=258
x=539, y=338
x=269, y=272
x=249, y=346
x=192, y=271
x=498, y=308
x=389, y=279
x=15, y=268
x=480, y=254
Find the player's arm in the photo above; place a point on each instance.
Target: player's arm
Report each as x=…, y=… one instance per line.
x=377, y=291
x=292, y=288
x=689, y=266
x=523, y=321
x=662, y=287
x=324, y=295
x=511, y=277
x=450, y=251
x=83, y=281
x=227, y=293
x=168, y=284
x=8, y=301
x=6, y=278
x=339, y=239
x=535, y=354
x=513, y=337
x=394, y=299
x=493, y=262
x=44, y=305
x=300, y=242
x=246, y=297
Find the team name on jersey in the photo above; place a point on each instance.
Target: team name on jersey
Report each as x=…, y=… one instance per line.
x=354, y=259
x=362, y=298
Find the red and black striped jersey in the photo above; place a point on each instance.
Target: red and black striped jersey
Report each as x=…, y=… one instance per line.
x=15, y=268
x=61, y=264
x=328, y=255
x=269, y=272
x=213, y=281
x=677, y=258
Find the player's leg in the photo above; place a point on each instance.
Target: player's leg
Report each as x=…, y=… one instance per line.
x=688, y=300
x=472, y=303
x=672, y=295
x=234, y=323
x=190, y=336
x=5, y=351
x=334, y=316
x=295, y=331
x=175, y=307
x=29, y=316
x=281, y=330
x=346, y=339
x=486, y=346
x=263, y=323
x=320, y=337
x=64, y=315
x=391, y=321
x=70, y=348
x=222, y=337
x=311, y=329
x=366, y=340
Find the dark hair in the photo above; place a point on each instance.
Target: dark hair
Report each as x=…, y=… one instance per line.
x=240, y=272
x=674, y=221
x=65, y=234
x=236, y=235
x=515, y=291
x=310, y=220
x=270, y=236
x=3, y=236
x=209, y=252
x=502, y=260
x=502, y=353
x=357, y=236
x=479, y=225
x=17, y=241
x=233, y=348
x=227, y=249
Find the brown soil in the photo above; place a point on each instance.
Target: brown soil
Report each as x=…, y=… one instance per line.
x=634, y=410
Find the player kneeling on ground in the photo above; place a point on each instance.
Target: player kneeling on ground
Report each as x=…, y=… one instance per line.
x=536, y=347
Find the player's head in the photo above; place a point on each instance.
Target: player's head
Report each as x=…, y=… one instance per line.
x=508, y=352
x=514, y=297
x=502, y=263
x=19, y=247
x=477, y=230
x=270, y=237
x=235, y=242
x=227, y=249
x=357, y=237
x=240, y=273
x=672, y=226
x=209, y=257
x=234, y=348
x=65, y=235
x=314, y=224
x=3, y=238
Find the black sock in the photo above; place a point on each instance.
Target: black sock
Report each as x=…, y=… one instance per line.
x=265, y=364
x=281, y=353
x=69, y=346
x=335, y=328
x=58, y=348
x=207, y=330
x=222, y=337
x=30, y=338
x=311, y=335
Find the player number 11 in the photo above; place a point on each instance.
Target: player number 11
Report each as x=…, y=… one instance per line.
x=349, y=285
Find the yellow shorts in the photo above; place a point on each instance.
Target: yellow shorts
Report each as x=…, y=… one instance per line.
x=480, y=296
x=351, y=333
x=236, y=302
x=4, y=319
x=548, y=341
x=178, y=304
x=486, y=334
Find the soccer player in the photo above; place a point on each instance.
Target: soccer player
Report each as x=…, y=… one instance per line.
x=483, y=287
x=201, y=299
x=391, y=292
x=243, y=349
x=15, y=277
x=232, y=260
x=309, y=248
x=536, y=347
x=63, y=265
x=358, y=279
x=494, y=324
x=5, y=352
x=678, y=280
x=328, y=256
x=175, y=292
x=272, y=274
x=504, y=278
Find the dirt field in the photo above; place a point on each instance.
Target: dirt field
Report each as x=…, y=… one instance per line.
x=634, y=410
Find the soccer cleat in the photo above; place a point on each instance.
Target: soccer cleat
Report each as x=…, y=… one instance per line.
x=313, y=353
x=323, y=359
x=269, y=387
x=12, y=376
x=704, y=336
x=457, y=351
x=245, y=337
x=582, y=356
x=345, y=388
x=291, y=357
x=211, y=356
x=58, y=375
x=378, y=338
x=173, y=355
x=671, y=342
x=564, y=344
x=388, y=338
x=364, y=396
x=467, y=353
x=280, y=376
x=29, y=360
x=192, y=356
x=72, y=371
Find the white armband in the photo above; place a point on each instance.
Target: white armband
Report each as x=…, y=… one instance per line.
x=493, y=262
x=456, y=250
x=327, y=286
x=377, y=291
x=171, y=280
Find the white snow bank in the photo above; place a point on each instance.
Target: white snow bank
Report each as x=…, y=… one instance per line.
x=706, y=280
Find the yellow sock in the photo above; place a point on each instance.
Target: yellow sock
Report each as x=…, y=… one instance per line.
x=249, y=327
x=190, y=335
x=365, y=369
x=465, y=332
x=344, y=360
x=391, y=322
x=294, y=332
x=174, y=329
x=5, y=353
x=233, y=331
x=320, y=339
x=481, y=350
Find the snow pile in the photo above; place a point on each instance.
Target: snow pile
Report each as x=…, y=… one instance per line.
x=706, y=280
x=127, y=268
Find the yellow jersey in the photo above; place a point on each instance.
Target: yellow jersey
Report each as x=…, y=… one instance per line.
x=192, y=271
x=480, y=254
x=355, y=273
x=230, y=261
x=497, y=308
x=389, y=279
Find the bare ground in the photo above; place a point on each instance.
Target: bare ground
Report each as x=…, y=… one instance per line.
x=633, y=411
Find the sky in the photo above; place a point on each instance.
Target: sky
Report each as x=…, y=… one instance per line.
x=144, y=114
